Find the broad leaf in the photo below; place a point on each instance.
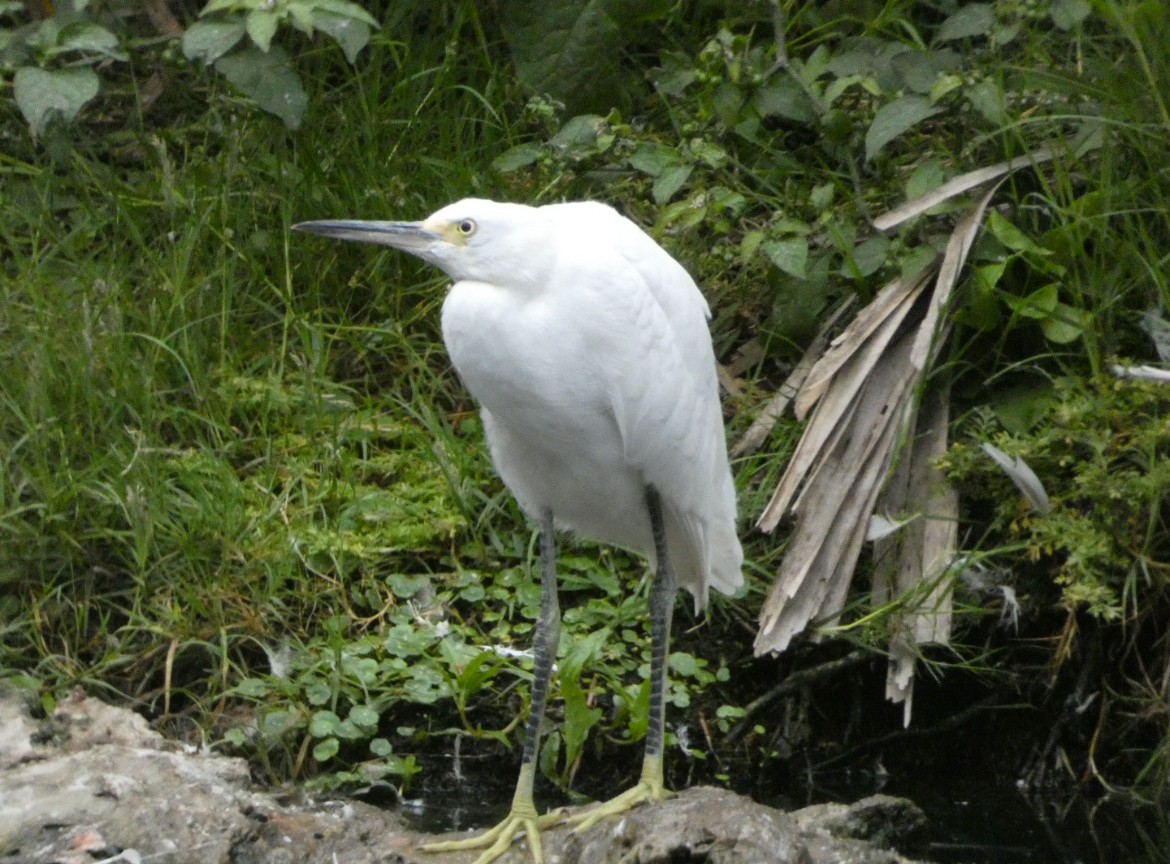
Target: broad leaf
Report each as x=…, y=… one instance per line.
x=1065, y=324
x=1067, y=14
x=87, y=37
x=269, y=79
x=867, y=257
x=572, y=49
x=791, y=256
x=669, y=182
x=782, y=96
x=346, y=9
x=42, y=94
x=210, y=40
x=326, y=749
x=894, y=119
x=351, y=34
x=261, y=24
x=515, y=158
x=973, y=19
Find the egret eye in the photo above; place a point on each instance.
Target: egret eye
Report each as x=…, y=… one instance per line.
x=466, y=227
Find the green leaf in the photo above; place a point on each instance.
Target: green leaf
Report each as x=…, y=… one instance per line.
x=782, y=96
x=972, y=19
x=363, y=669
x=987, y=97
x=926, y=177
x=676, y=73
x=87, y=37
x=277, y=724
x=346, y=9
x=670, y=182
x=709, y=153
x=326, y=749
x=894, y=119
x=253, y=688
x=572, y=49
x=210, y=40
x=1067, y=14
x=261, y=24
x=364, y=716
x=682, y=664
x=1040, y=304
x=324, y=723
x=381, y=748
x=579, y=134
x=318, y=693
x=582, y=652
x=351, y=34
x=749, y=244
x=220, y=6
x=425, y=685
x=791, y=256
x=1065, y=324
x=1011, y=236
x=821, y=196
x=269, y=79
x=653, y=158
x=1020, y=406
x=867, y=257
x=478, y=672
x=42, y=95
x=301, y=13
x=918, y=260
x=987, y=276
x=580, y=717
x=407, y=585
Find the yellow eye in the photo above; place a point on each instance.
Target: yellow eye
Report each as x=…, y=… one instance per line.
x=466, y=227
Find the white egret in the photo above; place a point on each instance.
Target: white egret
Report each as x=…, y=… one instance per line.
x=587, y=347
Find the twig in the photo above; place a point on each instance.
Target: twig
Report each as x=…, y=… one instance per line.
x=793, y=682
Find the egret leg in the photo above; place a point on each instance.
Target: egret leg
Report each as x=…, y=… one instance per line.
x=523, y=816
x=651, y=786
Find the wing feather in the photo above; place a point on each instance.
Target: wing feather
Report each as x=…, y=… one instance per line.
x=661, y=379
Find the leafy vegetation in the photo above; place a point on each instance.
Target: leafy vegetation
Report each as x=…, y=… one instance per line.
x=241, y=487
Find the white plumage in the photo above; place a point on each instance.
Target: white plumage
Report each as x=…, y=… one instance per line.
x=594, y=367
x=587, y=348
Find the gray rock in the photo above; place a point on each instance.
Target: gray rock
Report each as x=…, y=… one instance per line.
x=96, y=783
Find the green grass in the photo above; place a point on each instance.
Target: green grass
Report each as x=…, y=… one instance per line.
x=240, y=484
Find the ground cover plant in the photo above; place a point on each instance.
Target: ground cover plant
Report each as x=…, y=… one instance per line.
x=242, y=490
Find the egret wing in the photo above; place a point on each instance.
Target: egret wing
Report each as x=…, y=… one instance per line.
x=666, y=407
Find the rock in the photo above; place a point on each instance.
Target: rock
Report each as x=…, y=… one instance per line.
x=95, y=782
x=104, y=785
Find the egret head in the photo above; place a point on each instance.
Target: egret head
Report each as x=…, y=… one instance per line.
x=472, y=239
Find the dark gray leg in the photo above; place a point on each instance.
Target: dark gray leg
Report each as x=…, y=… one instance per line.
x=523, y=816
x=548, y=634
x=651, y=786
x=662, y=595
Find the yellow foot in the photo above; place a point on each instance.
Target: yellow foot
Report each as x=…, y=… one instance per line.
x=645, y=790
x=498, y=839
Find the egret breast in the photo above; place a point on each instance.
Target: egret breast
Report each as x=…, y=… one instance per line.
x=547, y=415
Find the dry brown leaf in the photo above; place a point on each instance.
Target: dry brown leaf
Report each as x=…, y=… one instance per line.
x=912, y=563
x=833, y=410
x=895, y=299
x=766, y=420
x=831, y=531
x=864, y=390
x=957, y=186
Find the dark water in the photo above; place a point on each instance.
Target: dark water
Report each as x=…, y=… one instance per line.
x=967, y=783
x=1001, y=781
x=975, y=818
